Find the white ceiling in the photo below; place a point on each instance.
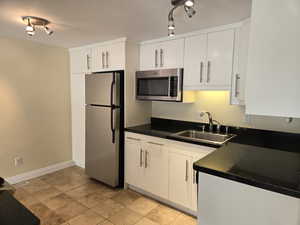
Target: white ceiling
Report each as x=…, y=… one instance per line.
x=79, y=22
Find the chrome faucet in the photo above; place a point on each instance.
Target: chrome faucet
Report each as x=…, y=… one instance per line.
x=211, y=122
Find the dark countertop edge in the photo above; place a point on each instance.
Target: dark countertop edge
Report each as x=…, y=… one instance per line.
x=145, y=133
x=170, y=137
x=264, y=186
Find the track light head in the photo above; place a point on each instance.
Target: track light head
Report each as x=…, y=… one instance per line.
x=190, y=11
x=48, y=31
x=189, y=3
x=171, y=33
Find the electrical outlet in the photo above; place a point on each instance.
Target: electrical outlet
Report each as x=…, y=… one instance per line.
x=18, y=161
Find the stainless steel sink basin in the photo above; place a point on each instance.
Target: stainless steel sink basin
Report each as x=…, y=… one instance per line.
x=204, y=137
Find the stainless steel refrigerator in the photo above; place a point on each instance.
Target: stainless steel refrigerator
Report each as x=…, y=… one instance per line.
x=105, y=127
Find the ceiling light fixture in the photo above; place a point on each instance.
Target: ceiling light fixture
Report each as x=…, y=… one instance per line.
x=189, y=9
x=32, y=22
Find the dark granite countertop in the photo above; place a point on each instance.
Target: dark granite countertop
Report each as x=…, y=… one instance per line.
x=266, y=168
x=264, y=159
x=14, y=213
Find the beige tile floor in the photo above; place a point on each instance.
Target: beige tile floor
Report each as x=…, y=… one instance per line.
x=69, y=197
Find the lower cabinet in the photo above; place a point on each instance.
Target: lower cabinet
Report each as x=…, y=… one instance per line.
x=163, y=168
x=180, y=179
x=146, y=166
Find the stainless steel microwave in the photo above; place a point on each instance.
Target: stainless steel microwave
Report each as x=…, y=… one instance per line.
x=159, y=85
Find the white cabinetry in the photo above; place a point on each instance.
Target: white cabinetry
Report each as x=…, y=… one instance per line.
x=162, y=55
x=240, y=64
x=208, y=61
x=195, y=62
x=146, y=164
x=108, y=57
x=179, y=175
x=133, y=162
x=273, y=81
x=163, y=168
x=80, y=60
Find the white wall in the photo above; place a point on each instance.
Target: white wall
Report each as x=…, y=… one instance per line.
x=35, y=106
x=217, y=102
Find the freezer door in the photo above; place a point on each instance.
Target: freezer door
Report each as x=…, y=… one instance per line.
x=100, y=88
x=102, y=155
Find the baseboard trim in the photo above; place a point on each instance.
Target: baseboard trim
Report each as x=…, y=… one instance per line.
x=39, y=172
x=162, y=200
x=80, y=164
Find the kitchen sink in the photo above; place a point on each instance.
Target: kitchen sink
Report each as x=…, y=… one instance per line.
x=204, y=137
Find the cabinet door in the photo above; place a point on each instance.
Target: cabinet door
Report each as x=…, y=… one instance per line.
x=156, y=169
x=240, y=64
x=149, y=56
x=80, y=61
x=98, y=58
x=171, y=54
x=115, y=56
x=273, y=81
x=134, y=162
x=220, y=59
x=195, y=62
x=180, y=179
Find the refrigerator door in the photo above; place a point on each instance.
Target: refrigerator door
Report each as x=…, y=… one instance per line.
x=102, y=89
x=102, y=155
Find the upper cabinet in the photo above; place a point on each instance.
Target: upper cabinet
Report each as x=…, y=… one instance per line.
x=241, y=48
x=208, y=61
x=162, y=55
x=80, y=60
x=273, y=80
x=108, y=57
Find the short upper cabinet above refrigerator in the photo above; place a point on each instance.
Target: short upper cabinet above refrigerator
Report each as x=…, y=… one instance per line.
x=162, y=55
x=108, y=57
x=80, y=60
x=208, y=61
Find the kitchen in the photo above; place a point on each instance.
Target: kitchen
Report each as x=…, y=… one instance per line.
x=201, y=127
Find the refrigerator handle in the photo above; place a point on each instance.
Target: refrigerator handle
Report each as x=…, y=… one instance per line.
x=112, y=122
x=113, y=131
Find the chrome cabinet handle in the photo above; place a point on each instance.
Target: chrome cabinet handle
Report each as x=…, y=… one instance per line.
x=186, y=170
x=141, y=158
x=103, y=58
x=107, y=59
x=161, y=57
x=237, y=78
x=146, y=159
x=153, y=143
x=201, y=72
x=156, y=56
x=135, y=139
x=88, y=62
x=208, y=71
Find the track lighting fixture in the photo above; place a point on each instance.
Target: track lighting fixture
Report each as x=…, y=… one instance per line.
x=33, y=22
x=188, y=8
